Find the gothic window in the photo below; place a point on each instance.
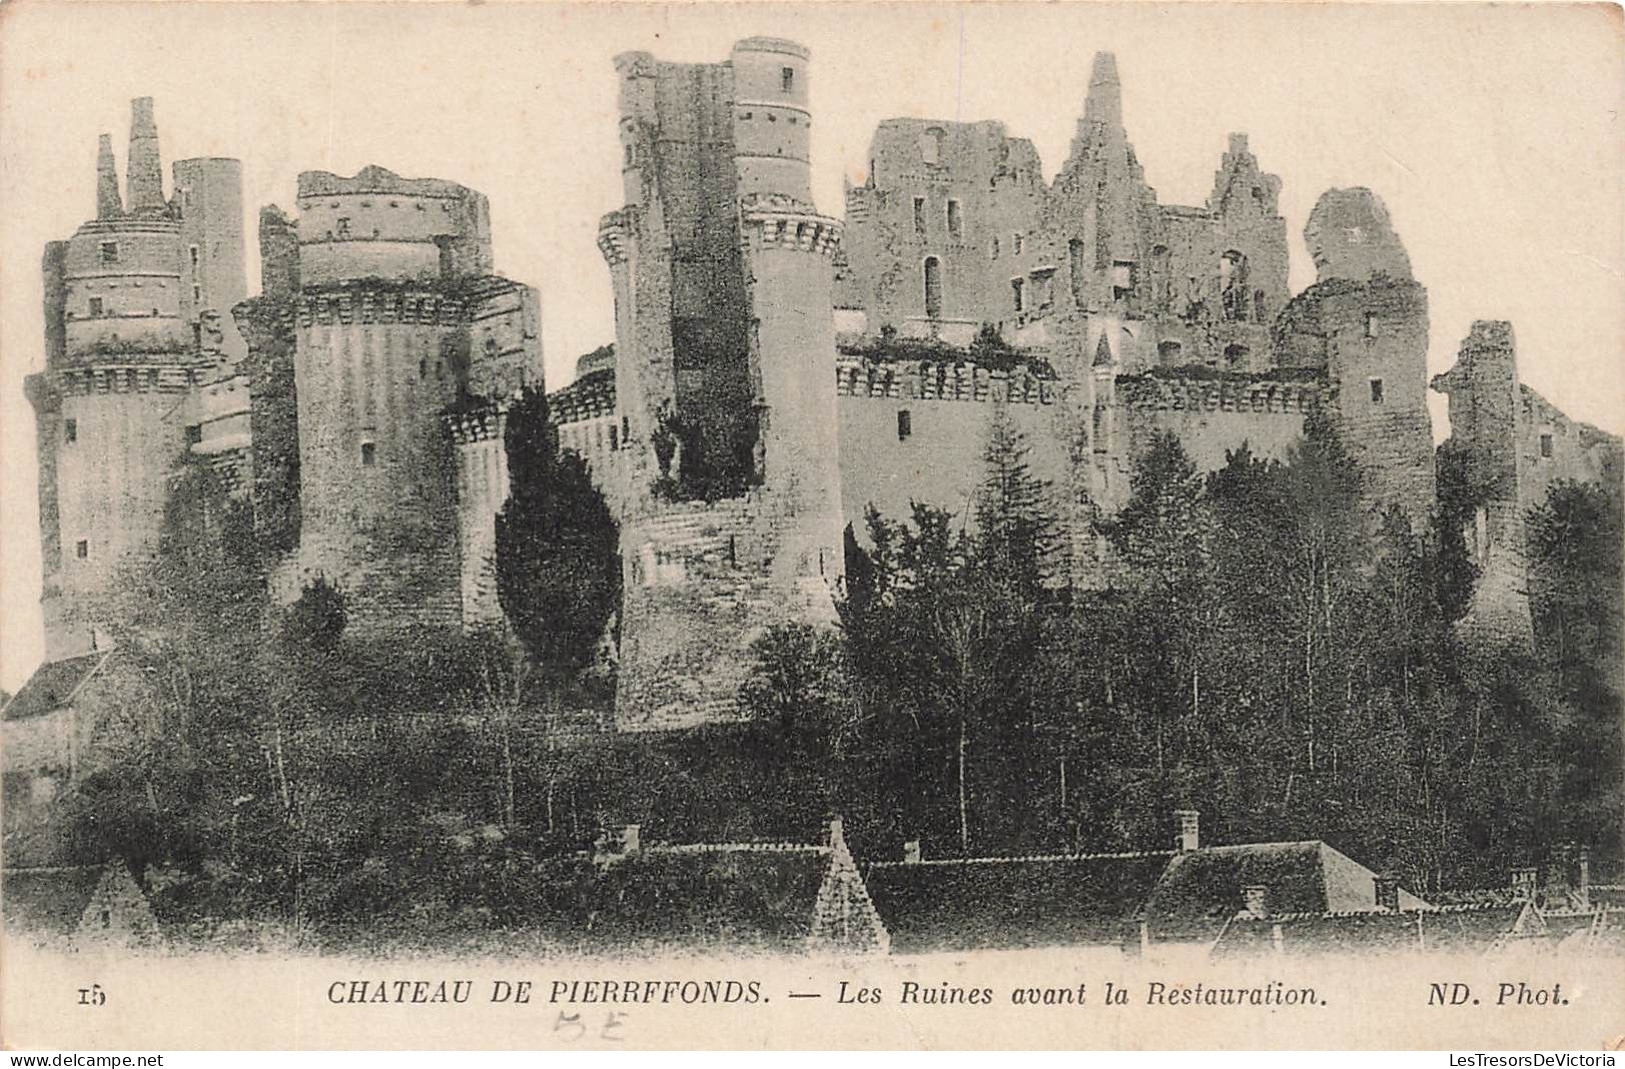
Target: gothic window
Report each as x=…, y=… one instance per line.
x=1233, y=290
x=81, y=549
x=955, y=223
x=1376, y=391
x=787, y=79
x=905, y=424
x=109, y=252
x=95, y=306
x=933, y=288
x=1098, y=435
x=919, y=215
x=1546, y=444
x=1018, y=295
x=931, y=145
x=70, y=430
x=369, y=454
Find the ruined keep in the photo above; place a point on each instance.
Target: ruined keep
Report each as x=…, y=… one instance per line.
x=727, y=486
x=142, y=366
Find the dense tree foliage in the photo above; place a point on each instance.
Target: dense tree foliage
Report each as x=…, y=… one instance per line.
x=558, y=554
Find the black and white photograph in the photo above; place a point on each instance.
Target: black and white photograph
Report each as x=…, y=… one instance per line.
x=890, y=526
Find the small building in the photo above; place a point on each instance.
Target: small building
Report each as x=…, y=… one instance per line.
x=755, y=897
x=1478, y=928
x=44, y=732
x=1012, y=902
x=78, y=906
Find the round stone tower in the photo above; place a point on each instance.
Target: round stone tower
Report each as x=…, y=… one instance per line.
x=382, y=349
x=772, y=124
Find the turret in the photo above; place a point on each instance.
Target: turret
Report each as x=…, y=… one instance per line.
x=108, y=203
x=772, y=124
x=145, y=182
x=1104, y=104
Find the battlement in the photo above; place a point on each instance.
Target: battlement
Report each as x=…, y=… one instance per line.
x=615, y=235
x=482, y=422
x=591, y=396
x=1227, y=393
x=777, y=221
x=943, y=381
x=371, y=304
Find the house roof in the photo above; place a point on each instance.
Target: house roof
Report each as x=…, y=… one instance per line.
x=48, y=901
x=1203, y=889
x=1452, y=928
x=739, y=895
x=53, y=685
x=965, y=904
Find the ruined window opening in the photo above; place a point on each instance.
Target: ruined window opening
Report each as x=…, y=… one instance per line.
x=919, y=215
x=192, y=250
x=197, y=293
x=614, y=437
x=369, y=454
x=1016, y=244
x=70, y=430
x=194, y=433
x=1169, y=353
x=931, y=144
x=1018, y=295
x=933, y=288
x=1098, y=435
x=1546, y=444
x=787, y=79
x=1235, y=355
x=1258, y=306
x=1233, y=289
x=423, y=368
x=1370, y=325
x=448, y=261
x=1355, y=235
x=81, y=549
x=1042, y=289
x=1122, y=280
x=994, y=248
x=905, y=424
x=95, y=306
x=955, y=223
x=626, y=429
x=1075, y=267
x=627, y=154
x=1376, y=391
x=733, y=550
x=109, y=252
x=344, y=226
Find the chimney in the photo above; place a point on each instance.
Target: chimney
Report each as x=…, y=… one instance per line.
x=144, y=186
x=1582, y=876
x=108, y=203
x=1557, y=870
x=1255, y=897
x=1190, y=834
x=618, y=843
x=1523, y=884
x=1387, y=886
x=911, y=852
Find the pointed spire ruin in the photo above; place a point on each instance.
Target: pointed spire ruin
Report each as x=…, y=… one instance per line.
x=1104, y=103
x=108, y=203
x=144, y=186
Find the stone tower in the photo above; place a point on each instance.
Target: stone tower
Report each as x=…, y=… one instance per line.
x=1365, y=321
x=405, y=350
x=128, y=312
x=727, y=486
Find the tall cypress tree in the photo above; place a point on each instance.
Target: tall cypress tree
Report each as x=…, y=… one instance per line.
x=558, y=553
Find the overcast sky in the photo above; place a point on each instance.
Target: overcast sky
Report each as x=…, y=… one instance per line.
x=1493, y=135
